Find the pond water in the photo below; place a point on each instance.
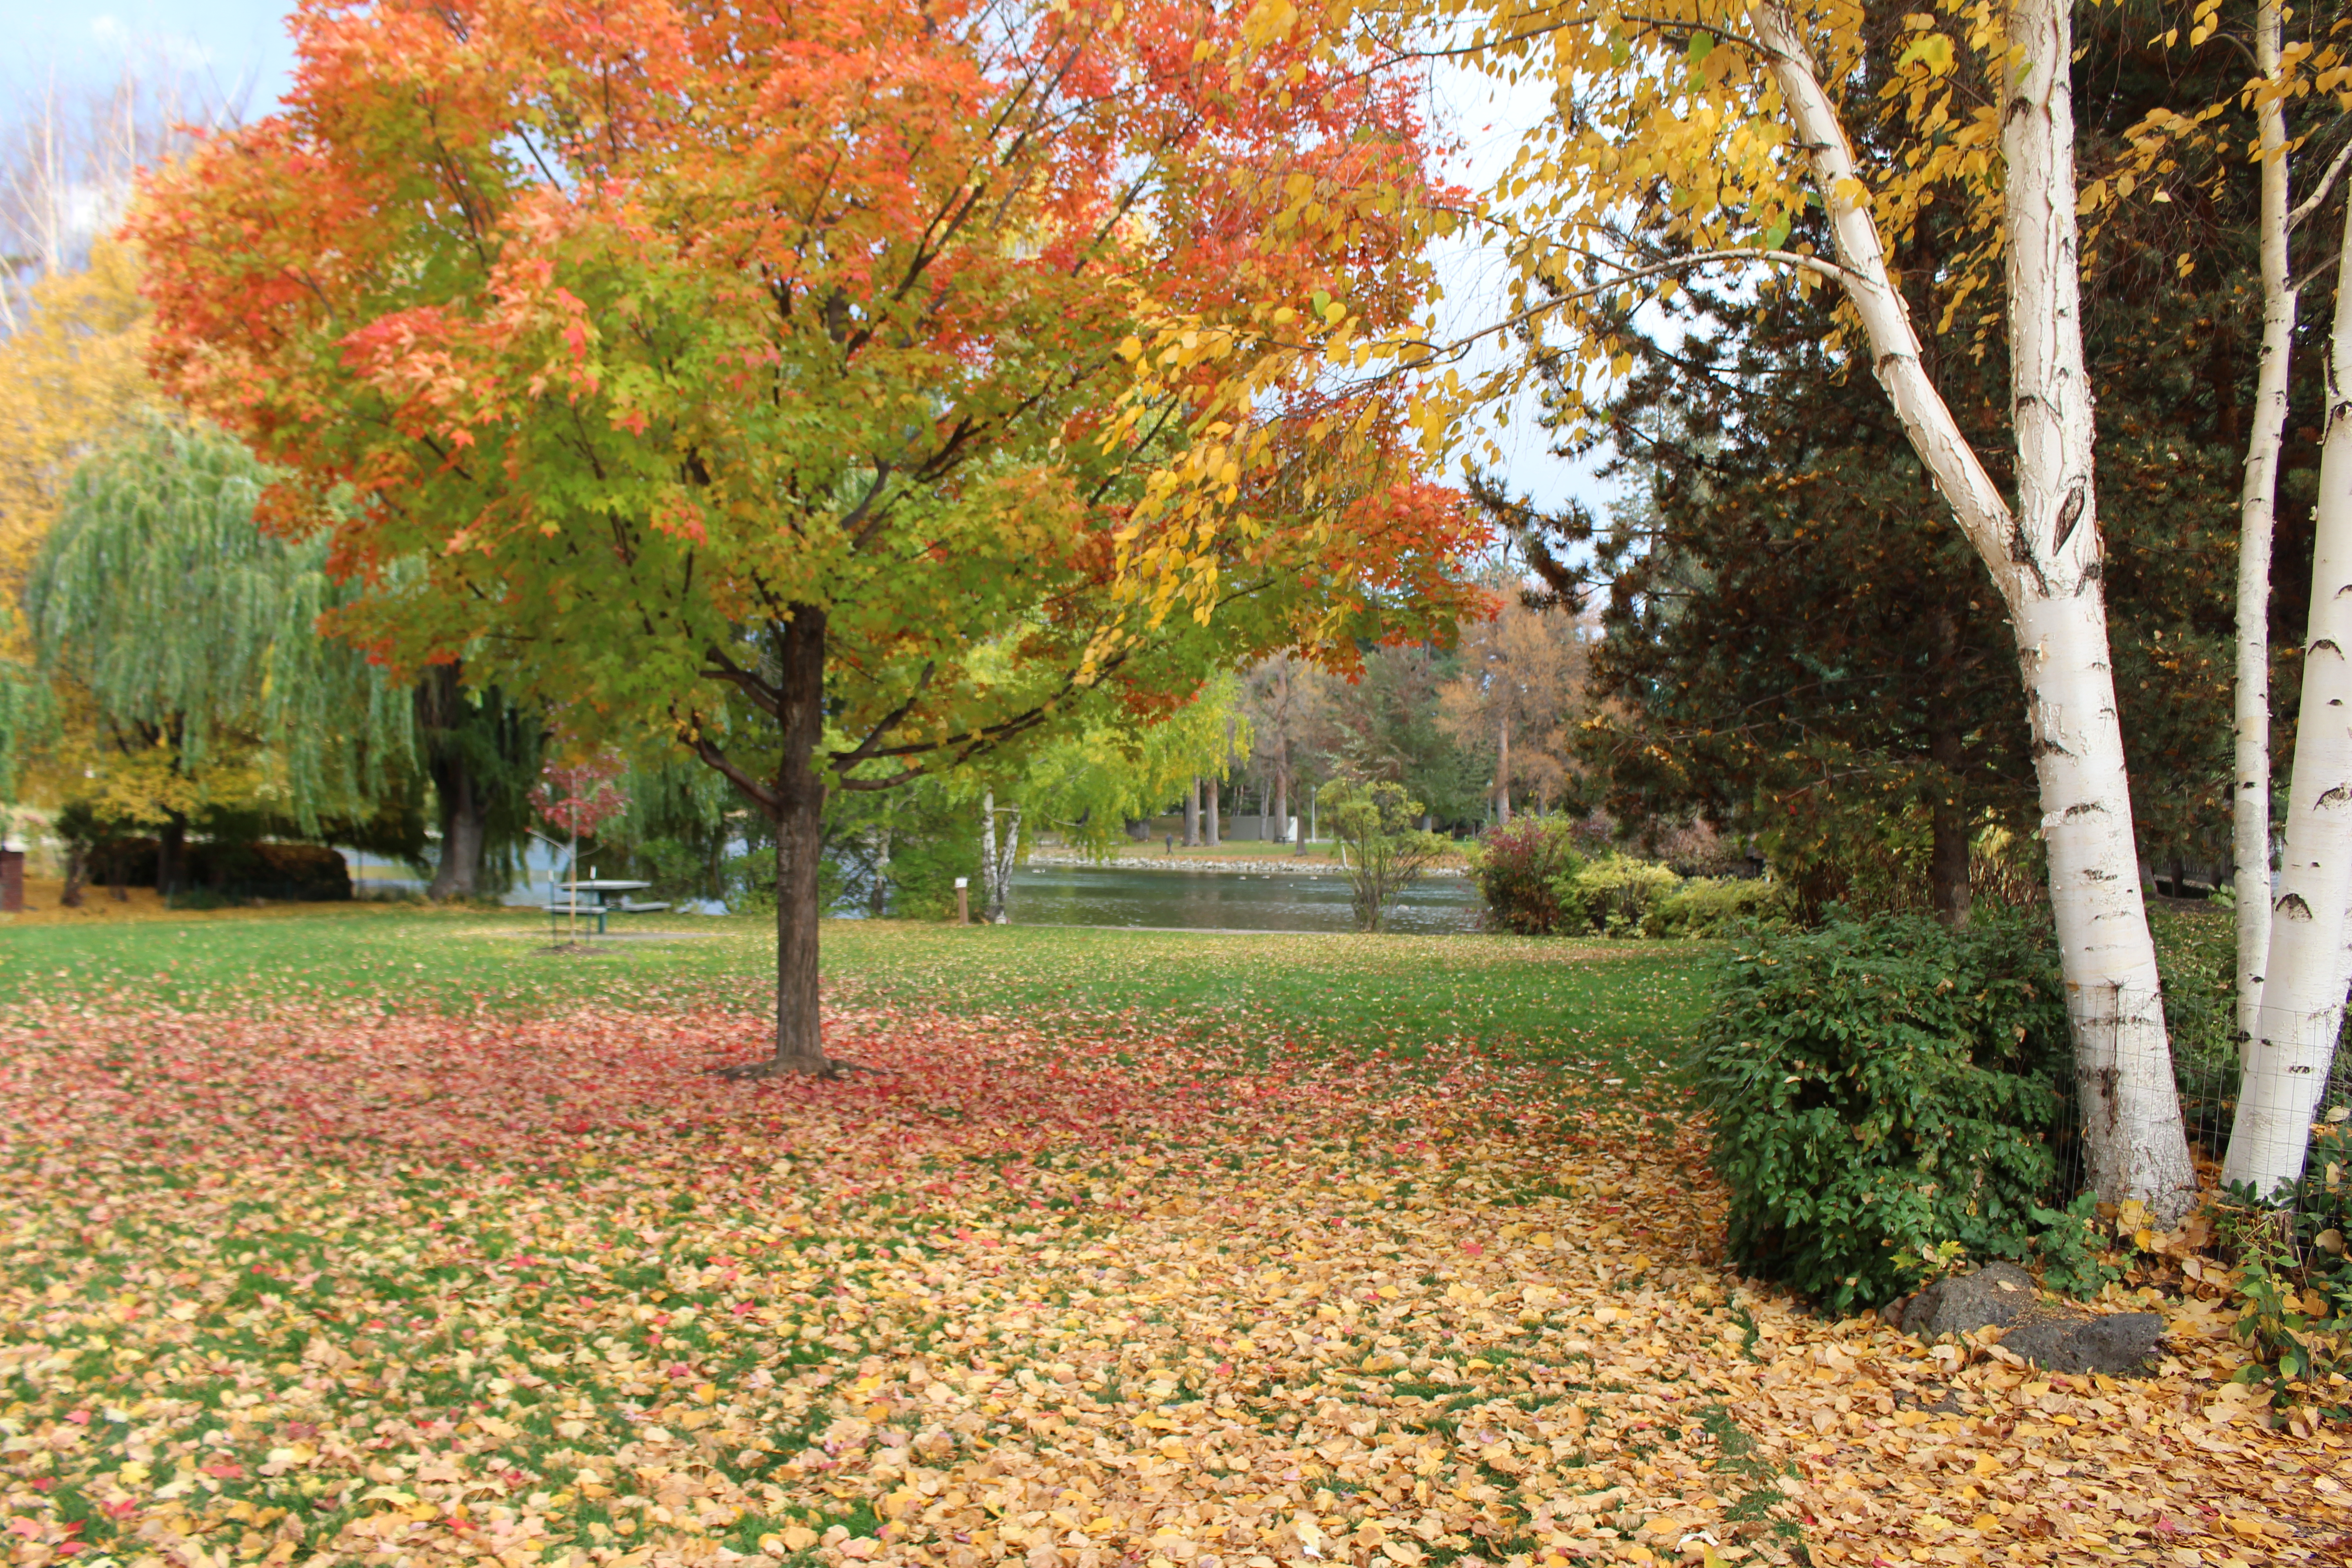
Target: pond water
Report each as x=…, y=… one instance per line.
x=1225, y=900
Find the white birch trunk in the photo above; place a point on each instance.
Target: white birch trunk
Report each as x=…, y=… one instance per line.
x=2045, y=561
x=991, y=901
x=2293, y=1042
x=2249, y=800
x=1004, y=869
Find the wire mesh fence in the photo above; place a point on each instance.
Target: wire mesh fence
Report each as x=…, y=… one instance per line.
x=2121, y=1041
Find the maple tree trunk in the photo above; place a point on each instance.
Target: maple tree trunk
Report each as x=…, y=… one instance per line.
x=1281, y=834
x=1210, y=832
x=77, y=876
x=2045, y=559
x=1192, y=814
x=458, y=874
x=2250, y=799
x=2293, y=1042
x=800, y=840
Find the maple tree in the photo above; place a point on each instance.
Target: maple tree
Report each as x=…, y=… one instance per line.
x=756, y=379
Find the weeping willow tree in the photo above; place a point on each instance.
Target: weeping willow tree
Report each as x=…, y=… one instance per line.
x=482, y=748
x=180, y=642
x=24, y=711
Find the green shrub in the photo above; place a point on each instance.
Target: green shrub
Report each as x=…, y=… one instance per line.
x=1522, y=871
x=1718, y=906
x=1377, y=822
x=1884, y=1093
x=1613, y=895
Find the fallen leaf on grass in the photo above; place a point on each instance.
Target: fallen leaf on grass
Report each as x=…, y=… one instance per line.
x=1046, y=1293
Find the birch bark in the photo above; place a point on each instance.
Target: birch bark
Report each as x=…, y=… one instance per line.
x=991, y=901
x=995, y=867
x=2044, y=558
x=2249, y=801
x=2294, y=1041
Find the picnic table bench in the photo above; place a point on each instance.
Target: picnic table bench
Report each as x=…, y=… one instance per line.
x=598, y=899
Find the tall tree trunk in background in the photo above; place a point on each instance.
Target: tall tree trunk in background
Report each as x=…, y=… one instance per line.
x=2249, y=800
x=1281, y=834
x=1503, y=775
x=1192, y=814
x=439, y=708
x=1210, y=829
x=2044, y=558
x=799, y=791
x=172, y=854
x=458, y=874
x=1947, y=815
x=877, y=896
x=2293, y=1039
x=1948, y=812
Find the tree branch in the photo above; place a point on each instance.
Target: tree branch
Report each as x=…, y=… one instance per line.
x=843, y=760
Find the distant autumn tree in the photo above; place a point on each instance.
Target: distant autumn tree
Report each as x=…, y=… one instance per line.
x=748, y=377
x=1519, y=691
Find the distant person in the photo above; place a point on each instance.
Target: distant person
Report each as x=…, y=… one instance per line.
x=1171, y=844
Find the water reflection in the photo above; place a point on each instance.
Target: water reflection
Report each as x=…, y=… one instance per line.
x=1224, y=900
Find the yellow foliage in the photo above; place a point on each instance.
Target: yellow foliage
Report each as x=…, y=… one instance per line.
x=76, y=370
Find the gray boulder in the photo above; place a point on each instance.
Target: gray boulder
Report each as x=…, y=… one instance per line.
x=2119, y=1345
x=1997, y=1294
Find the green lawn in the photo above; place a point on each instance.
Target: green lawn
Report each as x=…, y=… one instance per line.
x=1612, y=1006
x=388, y=1234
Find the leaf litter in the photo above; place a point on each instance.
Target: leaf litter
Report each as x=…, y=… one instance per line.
x=328, y=1285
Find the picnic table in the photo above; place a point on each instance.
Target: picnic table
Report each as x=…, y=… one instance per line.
x=597, y=897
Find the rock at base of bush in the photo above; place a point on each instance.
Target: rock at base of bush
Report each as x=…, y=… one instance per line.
x=1995, y=1295
x=2119, y=1345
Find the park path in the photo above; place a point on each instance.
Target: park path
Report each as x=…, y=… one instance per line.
x=319, y=1286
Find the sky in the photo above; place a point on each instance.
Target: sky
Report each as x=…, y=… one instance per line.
x=240, y=49
x=234, y=43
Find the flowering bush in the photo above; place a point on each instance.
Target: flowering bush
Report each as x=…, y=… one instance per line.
x=1522, y=870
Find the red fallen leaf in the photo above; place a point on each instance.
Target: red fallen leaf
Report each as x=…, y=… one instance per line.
x=1474, y=1249
x=2164, y=1526
x=225, y=1471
